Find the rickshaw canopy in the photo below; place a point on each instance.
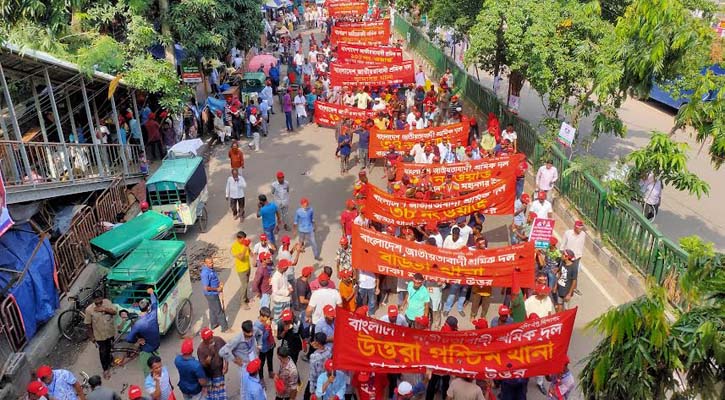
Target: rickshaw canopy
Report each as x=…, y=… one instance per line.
x=253, y=81
x=123, y=239
x=148, y=262
x=177, y=170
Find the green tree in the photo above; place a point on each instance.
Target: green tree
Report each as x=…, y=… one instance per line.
x=647, y=344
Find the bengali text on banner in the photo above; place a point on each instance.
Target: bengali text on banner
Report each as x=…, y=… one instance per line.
x=385, y=208
x=347, y=8
x=329, y=114
x=379, y=23
x=404, y=139
x=470, y=175
x=520, y=350
x=354, y=54
x=372, y=34
x=373, y=75
x=384, y=254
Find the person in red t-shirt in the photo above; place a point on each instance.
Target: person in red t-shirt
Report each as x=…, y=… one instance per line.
x=347, y=217
x=369, y=385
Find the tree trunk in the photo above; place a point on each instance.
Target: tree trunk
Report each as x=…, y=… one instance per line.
x=166, y=29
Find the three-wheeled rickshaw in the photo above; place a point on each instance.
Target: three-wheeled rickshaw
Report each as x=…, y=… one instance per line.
x=163, y=266
x=110, y=248
x=178, y=189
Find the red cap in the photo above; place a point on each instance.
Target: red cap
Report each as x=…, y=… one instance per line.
x=343, y=240
x=525, y=198
x=422, y=320
x=541, y=195
x=37, y=388
x=362, y=311
x=307, y=271
x=362, y=172
x=542, y=289
x=285, y=239
x=533, y=215
x=287, y=315
x=279, y=385
x=553, y=241
x=503, y=310
x=392, y=311
x=280, y=174
x=328, y=365
x=480, y=323
x=323, y=277
x=187, y=346
x=304, y=201
x=569, y=253
x=134, y=392
x=144, y=206
x=391, y=147
x=578, y=224
x=363, y=377
x=428, y=149
x=329, y=311
x=532, y=317
x=264, y=256
x=345, y=273
x=263, y=236
x=350, y=203
x=44, y=371
x=284, y=263
x=206, y=334
x=254, y=366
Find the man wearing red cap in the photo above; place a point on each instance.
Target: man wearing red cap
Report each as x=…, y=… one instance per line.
x=61, y=383
x=332, y=384
x=520, y=206
x=348, y=290
x=503, y=318
x=280, y=197
x=417, y=302
x=263, y=246
x=304, y=224
x=302, y=292
x=540, y=304
x=281, y=289
x=269, y=213
x=347, y=218
x=262, y=284
x=241, y=253
x=253, y=389
x=327, y=325
x=394, y=317
x=567, y=279
x=192, y=377
x=37, y=391
x=318, y=359
x=563, y=384
x=320, y=299
x=546, y=176
x=135, y=393
x=361, y=185
x=215, y=366
x=343, y=258
x=288, y=334
x=574, y=240
x=541, y=206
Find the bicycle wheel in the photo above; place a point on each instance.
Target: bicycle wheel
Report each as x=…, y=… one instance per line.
x=122, y=354
x=183, y=317
x=71, y=326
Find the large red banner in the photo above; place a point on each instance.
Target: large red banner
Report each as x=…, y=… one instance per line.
x=390, y=210
x=342, y=9
x=379, y=22
x=329, y=114
x=404, y=140
x=470, y=175
x=354, y=54
x=520, y=350
x=375, y=75
x=384, y=254
x=370, y=34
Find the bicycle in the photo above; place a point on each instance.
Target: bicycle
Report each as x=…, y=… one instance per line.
x=71, y=322
x=122, y=351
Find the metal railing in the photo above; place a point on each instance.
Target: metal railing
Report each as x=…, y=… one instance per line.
x=111, y=201
x=11, y=324
x=50, y=163
x=623, y=225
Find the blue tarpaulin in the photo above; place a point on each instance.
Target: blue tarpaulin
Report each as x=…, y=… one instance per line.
x=35, y=293
x=215, y=104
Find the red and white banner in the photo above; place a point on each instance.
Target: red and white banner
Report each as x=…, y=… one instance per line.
x=388, y=255
x=373, y=75
x=329, y=114
x=385, y=208
x=345, y=8
x=369, y=34
x=519, y=350
x=370, y=55
x=469, y=175
x=542, y=229
x=404, y=140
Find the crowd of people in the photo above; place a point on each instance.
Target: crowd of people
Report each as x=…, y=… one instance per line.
x=296, y=310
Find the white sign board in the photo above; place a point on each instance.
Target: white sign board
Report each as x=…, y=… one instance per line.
x=566, y=134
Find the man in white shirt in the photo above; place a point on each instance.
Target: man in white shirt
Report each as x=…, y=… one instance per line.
x=420, y=77
x=235, y=194
x=510, y=134
x=281, y=289
x=368, y=290
x=410, y=118
x=444, y=148
x=393, y=317
x=363, y=98
x=300, y=102
x=263, y=246
x=379, y=105
x=465, y=230
x=541, y=305
x=268, y=94
x=574, y=240
x=454, y=241
x=348, y=99
x=417, y=149
x=320, y=298
x=426, y=157
x=651, y=189
x=546, y=176
x=541, y=207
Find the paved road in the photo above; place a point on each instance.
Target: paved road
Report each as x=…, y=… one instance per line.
x=312, y=149
x=680, y=214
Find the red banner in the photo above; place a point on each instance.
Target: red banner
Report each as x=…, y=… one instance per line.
x=384, y=254
x=342, y=9
x=404, y=140
x=390, y=210
x=520, y=350
x=375, y=75
x=379, y=23
x=329, y=114
x=370, y=34
x=353, y=54
x=470, y=175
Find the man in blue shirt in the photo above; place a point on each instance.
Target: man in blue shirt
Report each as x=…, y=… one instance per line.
x=274, y=76
x=191, y=373
x=362, y=145
x=332, y=384
x=304, y=223
x=213, y=291
x=241, y=350
x=251, y=382
x=145, y=332
x=270, y=215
